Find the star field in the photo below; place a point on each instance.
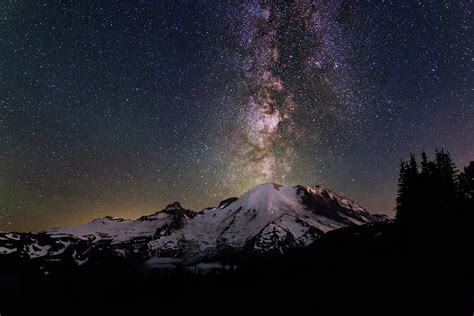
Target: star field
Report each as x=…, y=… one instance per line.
x=121, y=107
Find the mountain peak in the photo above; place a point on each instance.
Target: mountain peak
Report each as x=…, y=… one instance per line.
x=173, y=207
x=267, y=218
x=269, y=196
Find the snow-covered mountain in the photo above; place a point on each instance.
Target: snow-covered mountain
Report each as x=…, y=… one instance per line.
x=266, y=220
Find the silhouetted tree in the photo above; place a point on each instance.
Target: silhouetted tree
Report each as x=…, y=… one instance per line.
x=465, y=193
x=407, y=186
x=466, y=184
x=447, y=177
x=402, y=193
x=424, y=162
x=427, y=191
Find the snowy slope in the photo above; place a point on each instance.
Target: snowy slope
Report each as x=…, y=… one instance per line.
x=120, y=230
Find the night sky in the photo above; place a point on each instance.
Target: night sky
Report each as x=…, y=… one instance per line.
x=121, y=107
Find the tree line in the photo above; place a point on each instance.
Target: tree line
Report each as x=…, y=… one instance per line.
x=434, y=192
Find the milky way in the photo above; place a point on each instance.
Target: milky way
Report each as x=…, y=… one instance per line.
x=279, y=42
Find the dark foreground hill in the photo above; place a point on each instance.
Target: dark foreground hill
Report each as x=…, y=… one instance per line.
x=359, y=270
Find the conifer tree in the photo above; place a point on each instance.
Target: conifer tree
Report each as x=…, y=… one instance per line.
x=424, y=162
x=447, y=178
x=466, y=184
x=407, y=183
x=402, y=190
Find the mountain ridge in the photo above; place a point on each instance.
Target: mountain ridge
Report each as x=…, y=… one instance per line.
x=269, y=219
